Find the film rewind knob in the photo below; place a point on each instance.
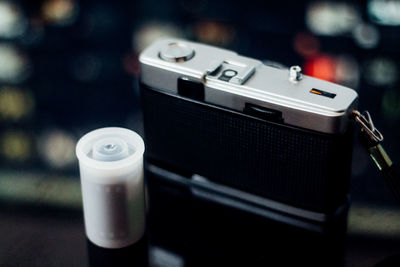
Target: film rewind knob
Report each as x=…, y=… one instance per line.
x=176, y=52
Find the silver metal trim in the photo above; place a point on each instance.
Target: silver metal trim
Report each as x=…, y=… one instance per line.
x=244, y=75
x=213, y=67
x=266, y=86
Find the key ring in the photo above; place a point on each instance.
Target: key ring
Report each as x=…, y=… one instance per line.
x=367, y=126
x=371, y=139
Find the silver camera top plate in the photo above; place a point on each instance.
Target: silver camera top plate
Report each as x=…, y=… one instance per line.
x=232, y=81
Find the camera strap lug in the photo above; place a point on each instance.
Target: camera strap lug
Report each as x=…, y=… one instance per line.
x=364, y=120
x=371, y=139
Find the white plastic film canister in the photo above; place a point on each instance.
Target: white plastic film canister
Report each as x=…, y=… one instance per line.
x=111, y=169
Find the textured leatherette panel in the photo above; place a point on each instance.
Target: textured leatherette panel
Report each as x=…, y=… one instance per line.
x=296, y=166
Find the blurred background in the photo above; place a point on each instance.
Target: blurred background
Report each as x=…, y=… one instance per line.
x=68, y=67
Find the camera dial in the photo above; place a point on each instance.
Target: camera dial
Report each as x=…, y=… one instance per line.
x=176, y=52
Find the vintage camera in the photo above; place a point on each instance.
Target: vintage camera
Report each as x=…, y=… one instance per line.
x=270, y=132
x=239, y=153
x=226, y=129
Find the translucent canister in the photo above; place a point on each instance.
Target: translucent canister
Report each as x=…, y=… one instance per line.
x=111, y=169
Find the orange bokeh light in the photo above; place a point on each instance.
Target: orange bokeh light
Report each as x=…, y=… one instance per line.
x=321, y=67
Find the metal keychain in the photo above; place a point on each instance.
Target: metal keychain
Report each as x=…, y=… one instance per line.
x=371, y=138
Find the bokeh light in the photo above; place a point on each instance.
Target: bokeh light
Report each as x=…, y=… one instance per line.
x=331, y=18
x=15, y=145
x=342, y=69
x=321, y=67
x=366, y=35
x=57, y=148
x=14, y=66
x=381, y=71
x=15, y=104
x=384, y=12
x=347, y=71
x=60, y=12
x=12, y=22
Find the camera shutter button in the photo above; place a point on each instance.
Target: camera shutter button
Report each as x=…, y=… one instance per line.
x=176, y=52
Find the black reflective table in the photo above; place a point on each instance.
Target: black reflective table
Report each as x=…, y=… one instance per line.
x=35, y=235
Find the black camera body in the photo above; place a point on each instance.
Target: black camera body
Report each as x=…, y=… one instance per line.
x=245, y=164
x=282, y=136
